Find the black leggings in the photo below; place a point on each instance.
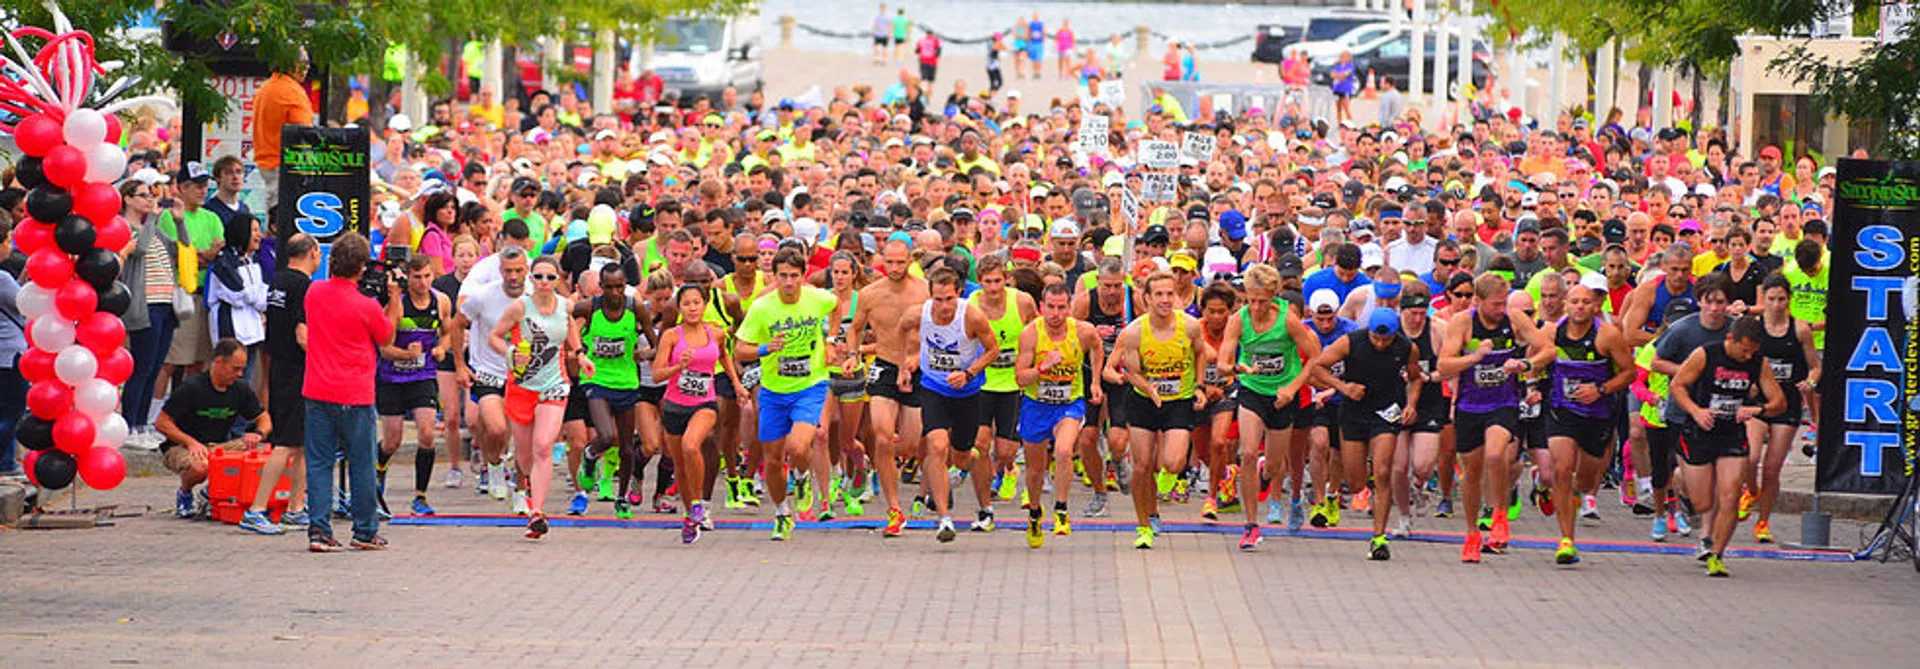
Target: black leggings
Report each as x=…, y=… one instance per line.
x=1661, y=444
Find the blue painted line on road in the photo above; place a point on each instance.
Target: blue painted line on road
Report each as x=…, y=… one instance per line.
x=1225, y=529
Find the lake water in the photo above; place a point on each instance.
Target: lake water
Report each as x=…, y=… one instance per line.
x=979, y=18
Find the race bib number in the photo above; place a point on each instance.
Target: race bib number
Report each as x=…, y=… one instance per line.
x=941, y=361
x=1488, y=377
x=795, y=367
x=1274, y=365
x=1724, y=406
x=411, y=365
x=1055, y=392
x=873, y=374
x=1426, y=367
x=1004, y=360
x=604, y=348
x=1166, y=387
x=697, y=384
x=1782, y=369
x=1390, y=414
x=1569, y=387
x=1214, y=378
x=1529, y=410
x=750, y=377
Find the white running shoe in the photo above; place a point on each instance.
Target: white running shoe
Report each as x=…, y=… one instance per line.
x=497, y=483
x=520, y=505
x=455, y=477
x=1402, y=528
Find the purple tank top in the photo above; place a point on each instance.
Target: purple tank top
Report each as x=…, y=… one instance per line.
x=1486, y=386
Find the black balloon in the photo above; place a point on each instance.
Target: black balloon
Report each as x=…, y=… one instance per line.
x=29, y=172
x=55, y=469
x=115, y=300
x=98, y=267
x=49, y=203
x=74, y=234
x=33, y=433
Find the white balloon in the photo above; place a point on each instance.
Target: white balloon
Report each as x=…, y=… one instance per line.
x=105, y=162
x=34, y=300
x=53, y=333
x=95, y=397
x=75, y=364
x=85, y=127
x=110, y=432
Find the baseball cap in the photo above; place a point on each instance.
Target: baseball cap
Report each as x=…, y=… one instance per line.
x=1323, y=300
x=606, y=133
x=1614, y=231
x=1198, y=212
x=150, y=176
x=1690, y=225
x=1156, y=234
x=1384, y=321
x=1183, y=260
x=524, y=183
x=1770, y=151
x=1233, y=224
x=772, y=215
x=960, y=212
x=193, y=171
x=1064, y=228
x=1324, y=201
x=1371, y=256
x=1527, y=224
x=1112, y=179
x=400, y=123
x=1290, y=266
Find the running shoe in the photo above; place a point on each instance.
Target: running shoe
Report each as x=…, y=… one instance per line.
x=919, y=507
x=1498, y=540
x=689, y=530
x=1589, y=509
x=699, y=515
x=1716, y=567
x=1096, y=507
x=257, y=523
x=1746, y=503
x=183, y=504
x=1319, y=517
x=732, y=500
x=421, y=508
x=826, y=511
x=1113, y=481
x=294, y=520
x=1153, y=522
x=1568, y=553
x=1250, y=539
x=1120, y=474
x=1704, y=549
x=749, y=494
x=1513, y=505
x=622, y=510
x=1009, y=485
x=579, y=504
x=1080, y=470
x=455, y=477
x=1273, y=512
x=381, y=510
x=1143, y=538
x=520, y=505
x=1062, y=526
x=323, y=543
x=480, y=485
x=1035, y=537
x=1486, y=519
x=1641, y=508
x=855, y=507
x=1659, y=528
x=1763, y=532
x=1680, y=525
x=808, y=515
x=1377, y=549
x=604, y=479
x=896, y=522
x=1163, y=484
x=1443, y=509
x=1180, y=489
x=664, y=504
x=946, y=532
x=1543, y=501
x=373, y=543
x=499, y=486
x=1402, y=528
x=1209, y=509
x=983, y=522
x=1229, y=484
x=804, y=485
x=537, y=527
x=1363, y=502
x=1296, y=514
x=1333, y=511
x=1470, y=549
x=782, y=527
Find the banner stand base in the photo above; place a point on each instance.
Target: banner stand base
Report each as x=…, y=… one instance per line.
x=1816, y=531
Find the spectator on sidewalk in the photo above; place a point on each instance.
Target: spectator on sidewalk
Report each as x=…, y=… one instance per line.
x=929, y=52
x=200, y=416
x=1392, y=103
x=13, y=343
x=147, y=269
x=342, y=343
x=285, y=370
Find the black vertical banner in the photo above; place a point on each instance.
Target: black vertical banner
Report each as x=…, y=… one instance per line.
x=324, y=185
x=1870, y=370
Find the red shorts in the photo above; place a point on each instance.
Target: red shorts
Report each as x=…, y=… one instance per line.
x=520, y=403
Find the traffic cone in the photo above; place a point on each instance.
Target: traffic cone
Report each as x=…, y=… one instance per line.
x=1373, y=87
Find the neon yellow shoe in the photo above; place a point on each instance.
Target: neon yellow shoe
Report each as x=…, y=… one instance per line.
x=855, y=508
x=1009, y=482
x=1333, y=511
x=1716, y=567
x=1163, y=483
x=1061, y=526
x=1209, y=509
x=1035, y=537
x=1143, y=538
x=1568, y=553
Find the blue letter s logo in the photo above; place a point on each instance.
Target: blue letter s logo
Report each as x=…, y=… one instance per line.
x=318, y=214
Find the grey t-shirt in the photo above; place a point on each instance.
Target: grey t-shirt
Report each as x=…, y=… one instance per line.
x=1678, y=342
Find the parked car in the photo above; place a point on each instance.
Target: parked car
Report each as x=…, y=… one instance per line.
x=1337, y=21
x=1359, y=38
x=1270, y=41
x=699, y=56
x=1394, y=56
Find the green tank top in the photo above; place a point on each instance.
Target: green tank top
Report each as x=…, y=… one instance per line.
x=611, y=345
x=1000, y=376
x=1271, y=354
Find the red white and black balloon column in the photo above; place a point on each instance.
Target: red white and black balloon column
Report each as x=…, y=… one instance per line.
x=73, y=300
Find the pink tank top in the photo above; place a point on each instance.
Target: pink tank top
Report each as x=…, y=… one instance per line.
x=694, y=385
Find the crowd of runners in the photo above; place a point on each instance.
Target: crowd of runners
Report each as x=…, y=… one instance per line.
x=859, y=309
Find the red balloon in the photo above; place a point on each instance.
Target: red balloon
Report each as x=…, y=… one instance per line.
x=36, y=365
x=76, y=300
x=50, y=399
x=26, y=462
x=102, y=468
x=32, y=235
x=113, y=128
x=98, y=202
x=65, y=166
x=115, y=367
x=50, y=267
x=113, y=236
x=38, y=134
x=73, y=433
x=100, y=332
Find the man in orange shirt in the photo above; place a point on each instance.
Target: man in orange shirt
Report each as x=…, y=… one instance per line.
x=281, y=101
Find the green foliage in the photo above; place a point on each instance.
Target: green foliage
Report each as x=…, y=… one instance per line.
x=349, y=35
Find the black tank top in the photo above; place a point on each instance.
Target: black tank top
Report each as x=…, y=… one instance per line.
x=1431, y=395
x=1783, y=355
x=1382, y=372
x=1118, y=320
x=1724, y=385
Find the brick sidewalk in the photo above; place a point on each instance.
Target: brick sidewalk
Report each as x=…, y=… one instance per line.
x=156, y=590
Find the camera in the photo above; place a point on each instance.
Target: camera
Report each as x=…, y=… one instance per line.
x=373, y=281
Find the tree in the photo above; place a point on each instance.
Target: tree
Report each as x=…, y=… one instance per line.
x=1880, y=87
x=341, y=34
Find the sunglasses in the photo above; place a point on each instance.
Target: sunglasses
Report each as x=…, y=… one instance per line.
x=1462, y=296
x=752, y=258
x=1448, y=263
x=545, y=276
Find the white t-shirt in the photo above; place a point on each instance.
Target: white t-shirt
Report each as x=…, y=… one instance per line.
x=484, y=306
x=1411, y=256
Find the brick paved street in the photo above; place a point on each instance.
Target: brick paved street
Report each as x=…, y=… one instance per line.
x=155, y=590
